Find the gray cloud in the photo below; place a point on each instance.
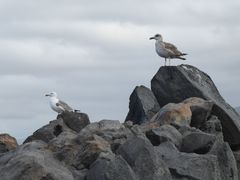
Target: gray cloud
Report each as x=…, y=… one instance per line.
x=93, y=53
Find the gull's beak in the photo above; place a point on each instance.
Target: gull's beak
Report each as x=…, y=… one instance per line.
x=151, y=38
x=47, y=94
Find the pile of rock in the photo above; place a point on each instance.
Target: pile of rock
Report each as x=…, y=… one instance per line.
x=181, y=129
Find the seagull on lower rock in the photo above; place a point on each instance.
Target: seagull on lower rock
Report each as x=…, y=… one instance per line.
x=58, y=105
x=167, y=50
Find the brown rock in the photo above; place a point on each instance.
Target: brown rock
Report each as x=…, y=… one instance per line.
x=179, y=114
x=7, y=143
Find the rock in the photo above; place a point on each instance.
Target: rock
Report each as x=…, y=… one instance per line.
x=179, y=114
x=91, y=150
x=165, y=133
x=226, y=160
x=188, y=165
x=65, y=147
x=113, y=168
x=177, y=83
x=213, y=125
x=48, y=132
x=110, y=130
x=7, y=143
x=75, y=121
x=32, y=161
x=197, y=142
x=142, y=106
x=140, y=155
x=201, y=110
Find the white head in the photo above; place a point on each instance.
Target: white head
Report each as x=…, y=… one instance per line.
x=52, y=94
x=157, y=37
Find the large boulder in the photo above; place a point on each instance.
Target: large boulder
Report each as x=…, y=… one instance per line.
x=198, y=142
x=142, y=106
x=188, y=165
x=111, y=168
x=140, y=155
x=179, y=114
x=226, y=160
x=165, y=133
x=32, y=161
x=177, y=83
x=75, y=121
x=7, y=143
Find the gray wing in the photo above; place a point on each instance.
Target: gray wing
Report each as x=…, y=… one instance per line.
x=173, y=49
x=64, y=106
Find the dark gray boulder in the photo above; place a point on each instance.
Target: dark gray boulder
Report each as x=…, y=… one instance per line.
x=75, y=121
x=142, y=106
x=197, y=142
x=111, y=168
x=140, y=155
x=49, y=131
x=165, y=133
x=226, y=160
x=189, y=166
x=177, y=83
x=32, y=161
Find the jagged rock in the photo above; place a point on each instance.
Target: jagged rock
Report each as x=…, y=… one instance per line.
x=140, y=155
x=198, y=142
x=179, y=114
x=92, y=149
x=48, y=132
x=65, y=147
x=7, y=143
x=75, y=121
x=177, y=83
x=142, y=106
x=201, y=110
x=32, y=161
x=113, y=168
x=188, y=165
x=226, y=160
x=110, y=130
x=165, y=133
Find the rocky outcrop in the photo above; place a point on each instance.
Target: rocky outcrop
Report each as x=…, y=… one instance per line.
x=184, y=140
x=7, y=143
x=142, y=106
x=174, y=84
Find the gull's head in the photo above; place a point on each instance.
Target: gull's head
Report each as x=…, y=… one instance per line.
x=157, y=37
x=51, y=94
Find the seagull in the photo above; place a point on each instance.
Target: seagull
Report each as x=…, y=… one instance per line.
x=167, y=50
x=58, y=105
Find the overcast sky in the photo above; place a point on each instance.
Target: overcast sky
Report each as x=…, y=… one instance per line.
x=93, y=53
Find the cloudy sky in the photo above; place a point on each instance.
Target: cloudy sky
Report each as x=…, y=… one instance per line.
x=93, y=53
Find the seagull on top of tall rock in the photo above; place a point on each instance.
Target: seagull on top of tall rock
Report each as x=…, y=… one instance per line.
x=58, y=105
x=167, y=50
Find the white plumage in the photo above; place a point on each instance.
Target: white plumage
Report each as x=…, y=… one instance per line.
x=58, y=105
x=167, y=50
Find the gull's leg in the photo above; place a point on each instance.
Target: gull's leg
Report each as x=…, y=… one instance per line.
x=165, y=62
x=169, y=61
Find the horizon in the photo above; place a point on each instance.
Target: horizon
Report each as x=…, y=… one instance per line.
x=93, y=54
